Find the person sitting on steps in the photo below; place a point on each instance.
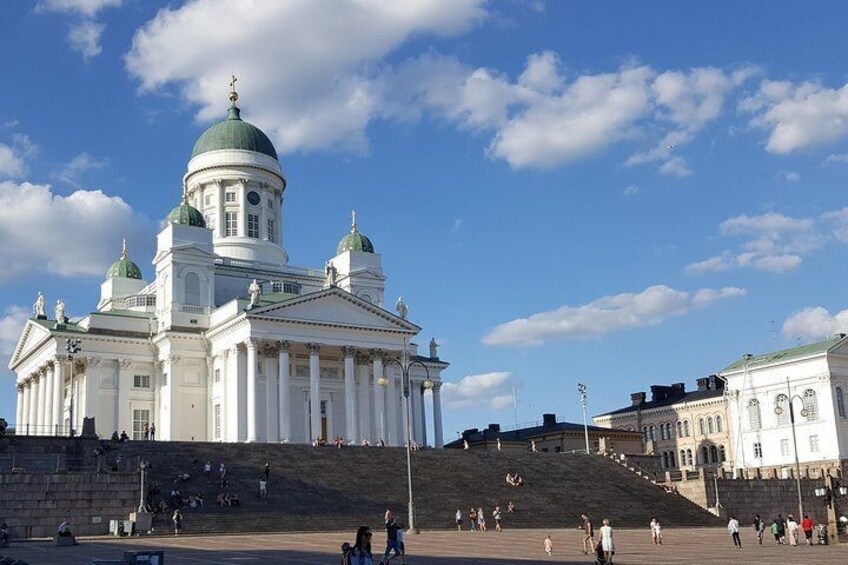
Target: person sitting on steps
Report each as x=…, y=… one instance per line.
x=65, y=529
x=4, y=535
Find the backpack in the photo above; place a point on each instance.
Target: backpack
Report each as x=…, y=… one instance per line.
x=347, y=551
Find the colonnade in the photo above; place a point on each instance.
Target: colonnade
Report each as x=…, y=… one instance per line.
x=40, y=400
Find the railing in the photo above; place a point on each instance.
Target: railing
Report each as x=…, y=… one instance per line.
x=189, y=309
x=59, y=430
x=135, y=301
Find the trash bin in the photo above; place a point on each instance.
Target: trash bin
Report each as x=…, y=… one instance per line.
x=144, y=557
x=114, y=528
x=128, y=527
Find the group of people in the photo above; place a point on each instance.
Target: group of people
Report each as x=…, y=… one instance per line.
x=360, y=552
x=785, y=531
x=514, y=480
x=477, y=518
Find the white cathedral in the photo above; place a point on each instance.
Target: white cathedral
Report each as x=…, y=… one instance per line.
x=229, y=342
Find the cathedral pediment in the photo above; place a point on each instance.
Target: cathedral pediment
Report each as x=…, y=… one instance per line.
x=333, y=307
x=34, y=334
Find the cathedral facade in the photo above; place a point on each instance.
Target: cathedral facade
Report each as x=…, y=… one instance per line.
x=229, y=342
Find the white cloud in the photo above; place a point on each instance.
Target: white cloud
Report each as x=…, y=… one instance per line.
x=84, y=34
x=676, y=166
x=711, y=265
x=631, y=190
x=11, y=326
x=72, y=170
x=486, y=390
x=68, y=236
x=798, y=116
x=11, y=163
x=789, y=176
x=836, y=158
x=605, y=315
x=815, y=324
x=308, y=93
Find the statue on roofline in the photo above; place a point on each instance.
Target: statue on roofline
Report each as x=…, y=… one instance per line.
x=38, y=307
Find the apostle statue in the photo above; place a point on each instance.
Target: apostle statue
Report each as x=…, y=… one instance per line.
x=255, y=291
x=331, y=274
x=59, y=311
x=401, y=308
x=38, y=307
x=434, y=348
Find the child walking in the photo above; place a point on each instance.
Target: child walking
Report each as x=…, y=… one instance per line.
x=549, y=545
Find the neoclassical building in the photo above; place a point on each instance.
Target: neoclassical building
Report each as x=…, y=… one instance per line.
x=229, y=342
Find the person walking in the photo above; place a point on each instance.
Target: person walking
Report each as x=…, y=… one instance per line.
x=458, y=520
x=656, y=531
x=792, y=529
x=481, y=520
x=733, y=528
x=207, y=470
x=607, y=543
x=780, y=529
x=177, y=519
x=807, y=526
x=263, y=488
x=152, y=431
x=759, y=528
x=549, y=545
x=496, y=514
x=472, y=519
x=588, y=535
x=392, y=543
x=267, y=469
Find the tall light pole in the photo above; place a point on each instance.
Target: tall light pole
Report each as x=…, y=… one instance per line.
x=778, y=410
x=72, y=346
x=142, y=465
x=405, y=364
x=583, y=390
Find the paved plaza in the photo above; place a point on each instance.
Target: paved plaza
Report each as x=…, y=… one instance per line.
x=696, y=545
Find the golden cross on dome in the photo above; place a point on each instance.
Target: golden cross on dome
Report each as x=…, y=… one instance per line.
x=124, y=248
x=233, y=93
x=352, y=221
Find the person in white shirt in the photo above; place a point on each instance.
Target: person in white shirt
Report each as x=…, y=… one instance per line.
x=607, y=543
x=792, y=530
x=733, y=528
x=458, y=520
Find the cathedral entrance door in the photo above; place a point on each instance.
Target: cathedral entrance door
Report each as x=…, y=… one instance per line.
x=324, y=420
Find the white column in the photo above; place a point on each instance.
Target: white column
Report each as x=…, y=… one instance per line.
x=49, y=382
x=365, y=431
x=19, y=407
x=42, y=402
x=59, y=393
x=242, y=209
x=418, y=391
x=437, y=415
x=314, y=391
x=284, y=373
x=379, y=399
x=27, y=409
x=220, y=220
x=392, y=409
x=91, y=390
x=38, y=412
x=125, y=382
x=350, y=395
x=251, y=390
x=272, y=413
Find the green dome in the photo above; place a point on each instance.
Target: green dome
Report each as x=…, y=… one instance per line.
x=234, y=133
x=123, y=267
x=187, y=215
x=354, y=241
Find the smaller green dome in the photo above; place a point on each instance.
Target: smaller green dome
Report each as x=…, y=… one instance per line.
x=187, y=215
x=354, y=241
x=123, y=267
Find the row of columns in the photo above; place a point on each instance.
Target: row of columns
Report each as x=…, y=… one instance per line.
x=40, y=400
x=370, y=414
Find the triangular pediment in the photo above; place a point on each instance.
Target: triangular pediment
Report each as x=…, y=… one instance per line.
x=32, y=336
x=334, y=307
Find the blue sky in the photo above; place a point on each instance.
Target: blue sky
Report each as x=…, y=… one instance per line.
x=618, y=193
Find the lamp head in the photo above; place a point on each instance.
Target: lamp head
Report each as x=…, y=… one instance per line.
x=428, y=384
x=778, y=410
x=805, y=412
x=383, y=381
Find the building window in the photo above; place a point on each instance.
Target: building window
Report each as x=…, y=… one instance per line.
x=719, y=424
x=679, y=428
x=811, y=405
x=217, y=421
x=665, y=460
x=671, y=462
x=670, y=430
x=840, y=403
x=705, y=455
x=710, y=425
x=141, y=381
x=644, y=434
x=754, y=421
x=272, y=230
x=782, y=402
x=701, y=427
x=210, y=221
x=141, y=420
x=207, y=199
x=232, y=223
x=192, y=289
x=253, y=225
x=784, y=447
x=230, y=197
x=270, y=203
x=713, y=454
x=758, y=450
x=722, y=456
x=217, y=374
x=686, y=429
x=689, y=459
x=652, y=433
x=814, y=444
x=682, y=457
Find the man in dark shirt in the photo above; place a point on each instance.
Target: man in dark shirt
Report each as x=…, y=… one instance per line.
x=781, y=529
x=392, y=528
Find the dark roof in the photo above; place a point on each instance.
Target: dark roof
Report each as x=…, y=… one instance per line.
x=524, y=434
x=687, y=397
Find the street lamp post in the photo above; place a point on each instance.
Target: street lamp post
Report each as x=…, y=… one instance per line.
x=142, y=466
x=72, y=346
x=778, y=410
x=583, y=389
x=405, y=365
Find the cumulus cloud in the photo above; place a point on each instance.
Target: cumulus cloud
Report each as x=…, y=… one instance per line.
x=814, y=324
x=11, y=326
x=71, y=171
x=486, y=390
x=85, y=31
x=605, y=315
x=11, y=163
x=68, y=236
x=308, y=94
x=798, y=116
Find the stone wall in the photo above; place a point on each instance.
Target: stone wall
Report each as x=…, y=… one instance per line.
x=33, y=504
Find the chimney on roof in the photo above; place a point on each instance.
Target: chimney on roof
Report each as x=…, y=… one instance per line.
x=703, y=384
x=678, y=389
x=637, y=398
x=494, y=427
x=716, y=383
x=840, y=336
x=549, y=420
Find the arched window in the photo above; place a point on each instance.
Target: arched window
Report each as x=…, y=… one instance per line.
x=705, y=455
x=701, y=427
x=192, y=289
x=840, y=403
x=721, y=455
x=652, y=433
x=710, y=425
x=662, y=432
x=644, y=433
x=689, y=459
x=670, y=431
x=754, y=421
x=719, y=424
x=782, y=402
x=682, y=457
x=679, y=428
x=671, y=462
x=665, y=460
x=811, y=404
x=713, y=454
x=686, y=429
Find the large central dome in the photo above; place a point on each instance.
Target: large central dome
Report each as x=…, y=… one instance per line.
x=234, y=133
